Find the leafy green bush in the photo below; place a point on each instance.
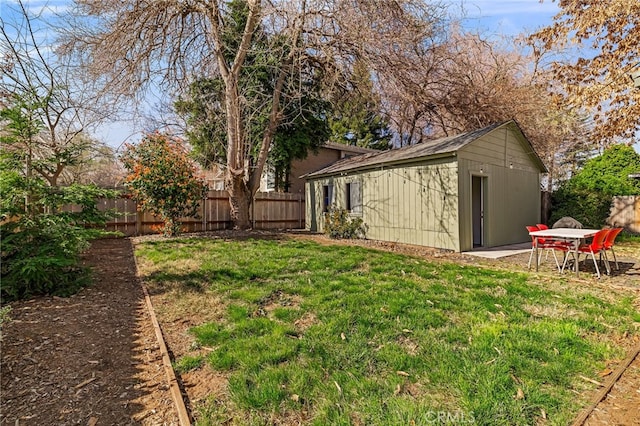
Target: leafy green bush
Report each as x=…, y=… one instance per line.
x=338, y=224
x=589, y=208
x=163, y=179
x=40, y=240
x=41, y=244
x=588, y=195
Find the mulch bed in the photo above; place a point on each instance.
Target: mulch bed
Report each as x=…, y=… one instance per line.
x=88, y=359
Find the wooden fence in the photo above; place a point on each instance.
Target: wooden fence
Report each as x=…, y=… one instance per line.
x=625, y=212
x=270, y=210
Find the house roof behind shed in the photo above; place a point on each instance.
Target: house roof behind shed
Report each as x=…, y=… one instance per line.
x=436, y=147
x=353, y=149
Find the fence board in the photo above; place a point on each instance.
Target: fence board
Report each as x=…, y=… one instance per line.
x=625, y=212
x=270, y=210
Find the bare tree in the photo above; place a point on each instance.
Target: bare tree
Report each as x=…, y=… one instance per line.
x=176, y=42
x=58, y=100
x=465, y=82
x=98, y=165
x=604, y=36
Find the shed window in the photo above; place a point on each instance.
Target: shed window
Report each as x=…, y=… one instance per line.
x=327, y=197
x=354, y=197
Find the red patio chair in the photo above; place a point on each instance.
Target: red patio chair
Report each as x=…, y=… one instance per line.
x=596, y=246
x=545, y=244
x=562, y=245
x=542, y=227
x=609, y=242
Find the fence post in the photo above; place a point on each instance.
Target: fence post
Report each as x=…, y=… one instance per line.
x=204, y=213
x=138, y=219
x=253, y=212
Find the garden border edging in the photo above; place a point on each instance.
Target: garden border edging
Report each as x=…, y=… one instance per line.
x=174, y=387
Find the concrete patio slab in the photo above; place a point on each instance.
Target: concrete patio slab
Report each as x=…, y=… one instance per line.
x=500, y=251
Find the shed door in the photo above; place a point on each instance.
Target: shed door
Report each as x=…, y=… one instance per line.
x=477, y=209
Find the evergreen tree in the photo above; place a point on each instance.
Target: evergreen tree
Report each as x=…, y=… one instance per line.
x=356, y=119
x=40, y=243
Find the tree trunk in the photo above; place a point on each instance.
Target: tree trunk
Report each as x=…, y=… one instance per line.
x=236, y=175
x=240, y=198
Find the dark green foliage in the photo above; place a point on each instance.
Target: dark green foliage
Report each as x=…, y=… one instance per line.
x=41, y=251
x=587, y=196
x=40, y=242
x=293, y=141
x=203, y=108
x=338, y=224
x=355, y=118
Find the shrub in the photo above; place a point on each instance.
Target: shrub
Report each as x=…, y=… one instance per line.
x=338, y=224
x=588, y=195
x=40, y=242
x=163, y=179
x=590, y=208
x=41, y=248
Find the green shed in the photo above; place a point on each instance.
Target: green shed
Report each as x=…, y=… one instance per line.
x=477, y=189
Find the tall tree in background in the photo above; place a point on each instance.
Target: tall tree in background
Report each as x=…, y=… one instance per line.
x=465, y=82
x=488, y=81
x=97, y=165
x=609, y=31
x=302, y=127
x=135, y=42
x=356, y=116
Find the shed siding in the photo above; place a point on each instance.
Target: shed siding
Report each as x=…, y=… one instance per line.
x=512, y=198
x=412, y=204
x=429, y=201
x=500, y=148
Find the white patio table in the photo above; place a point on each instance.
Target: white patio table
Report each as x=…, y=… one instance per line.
x=575, y=235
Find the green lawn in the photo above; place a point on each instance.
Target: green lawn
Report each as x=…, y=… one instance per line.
x=339, y=335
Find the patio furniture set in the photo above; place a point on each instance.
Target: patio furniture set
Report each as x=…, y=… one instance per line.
x=572, y=242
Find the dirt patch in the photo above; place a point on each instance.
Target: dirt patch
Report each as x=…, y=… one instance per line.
x=621, y=406
x=91, y=358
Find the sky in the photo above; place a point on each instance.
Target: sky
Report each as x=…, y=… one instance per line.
x=509, y=17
